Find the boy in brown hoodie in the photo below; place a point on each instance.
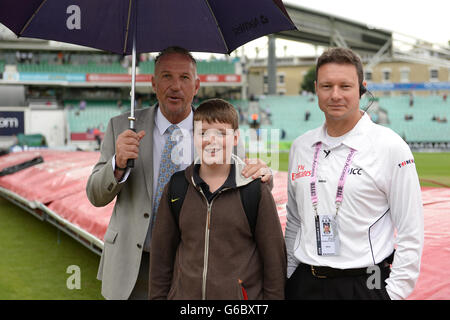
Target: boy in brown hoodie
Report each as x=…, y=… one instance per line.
x=210, y=250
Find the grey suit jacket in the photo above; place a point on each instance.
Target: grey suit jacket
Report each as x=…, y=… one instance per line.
x=127, y=229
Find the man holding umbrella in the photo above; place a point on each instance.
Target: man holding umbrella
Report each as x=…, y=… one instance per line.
x=125, y=260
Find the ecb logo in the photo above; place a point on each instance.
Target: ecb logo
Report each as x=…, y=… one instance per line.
x=73, y=22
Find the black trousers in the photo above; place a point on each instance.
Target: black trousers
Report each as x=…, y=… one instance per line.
x=141, y=288
x=303, y=285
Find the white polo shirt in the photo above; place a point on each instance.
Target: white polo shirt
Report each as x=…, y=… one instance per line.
x=381, y=194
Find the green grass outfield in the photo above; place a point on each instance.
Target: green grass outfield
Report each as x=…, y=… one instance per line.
x=34, y=255
x=433, y=168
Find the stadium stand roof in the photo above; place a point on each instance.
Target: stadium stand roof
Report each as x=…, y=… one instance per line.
x=321, y=28
x=373, y=44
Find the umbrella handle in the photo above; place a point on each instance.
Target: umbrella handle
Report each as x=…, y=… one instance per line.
x=130, y=162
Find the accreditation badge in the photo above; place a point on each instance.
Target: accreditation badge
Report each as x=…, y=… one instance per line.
x=327, y=235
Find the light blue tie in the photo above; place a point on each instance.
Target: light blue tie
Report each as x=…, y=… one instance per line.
x=167, y=167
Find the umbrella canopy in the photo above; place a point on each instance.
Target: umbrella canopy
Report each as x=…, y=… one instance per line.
x=218, y=26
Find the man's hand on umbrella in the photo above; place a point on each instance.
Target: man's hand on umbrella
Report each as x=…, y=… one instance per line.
x=257, y=168
x=127, y=147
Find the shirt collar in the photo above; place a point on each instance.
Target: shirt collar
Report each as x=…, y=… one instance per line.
x=355, y=138
x=162, y=123
x=229, y=183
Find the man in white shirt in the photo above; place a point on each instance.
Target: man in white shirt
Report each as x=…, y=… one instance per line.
x=352, y=183
x=124, y=265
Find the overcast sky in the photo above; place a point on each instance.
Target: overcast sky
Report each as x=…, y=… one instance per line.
x=428, y=20
x=425, y=19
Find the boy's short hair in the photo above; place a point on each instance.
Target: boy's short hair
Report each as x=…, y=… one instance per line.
x=341, y=56
x=217, y=110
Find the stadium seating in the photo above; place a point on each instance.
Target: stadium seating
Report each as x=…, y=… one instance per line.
x=215, y=67
x=146, y=67
x=242, y=104
x=203, y=67
x=95, y=115
x=98, y=112
x=288, y=113
x=72, y=68
x=420, y=128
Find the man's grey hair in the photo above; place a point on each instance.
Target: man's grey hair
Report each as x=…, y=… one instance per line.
x=176, y=49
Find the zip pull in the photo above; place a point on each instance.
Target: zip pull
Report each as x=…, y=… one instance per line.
x=244, y=292
x=209, y=216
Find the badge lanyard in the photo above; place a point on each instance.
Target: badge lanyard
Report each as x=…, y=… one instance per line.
x=326, y=226
x=341, y=183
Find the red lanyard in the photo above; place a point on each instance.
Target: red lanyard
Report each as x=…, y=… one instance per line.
x=341, y=183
